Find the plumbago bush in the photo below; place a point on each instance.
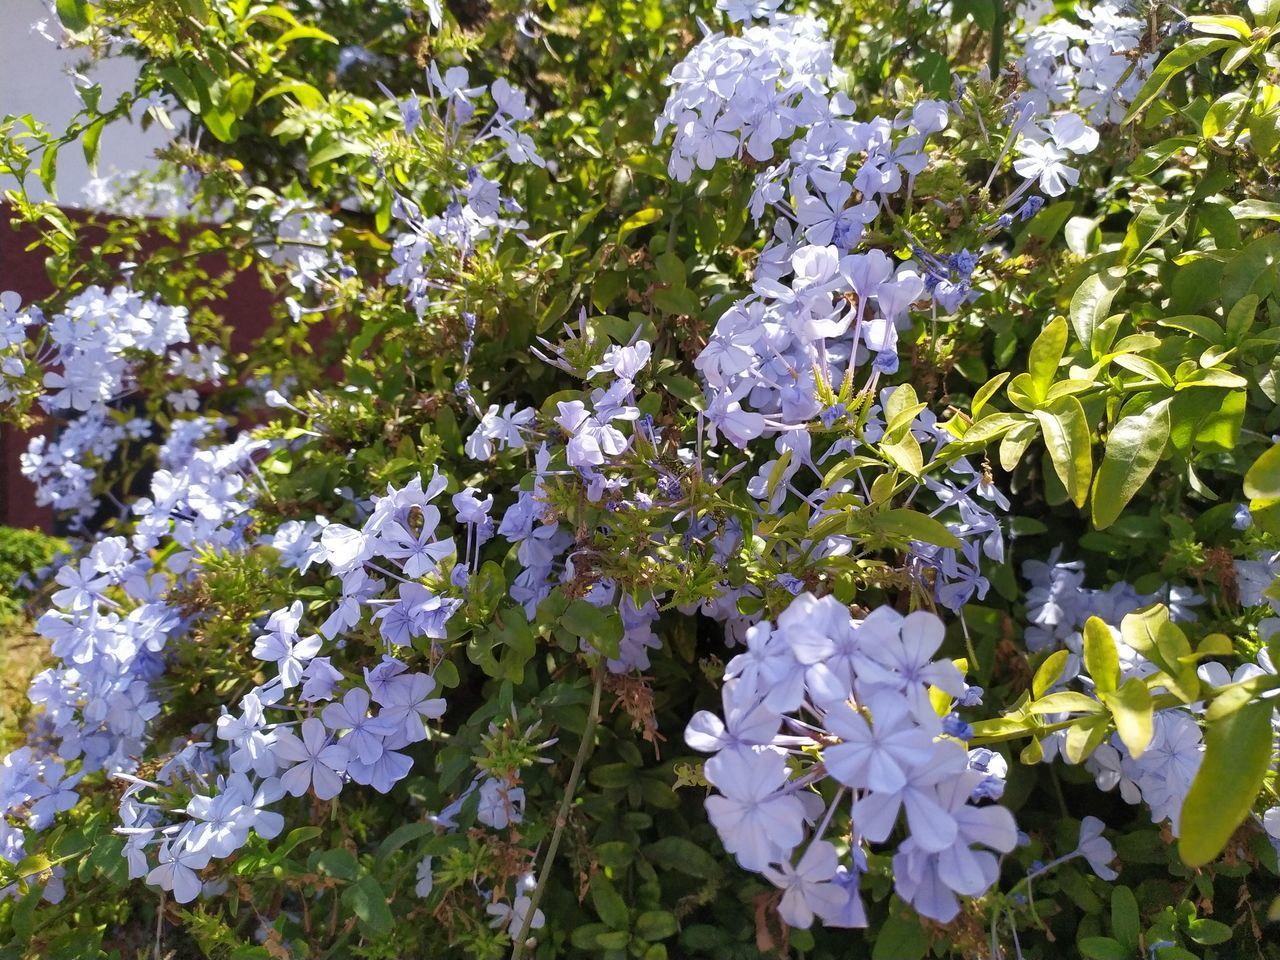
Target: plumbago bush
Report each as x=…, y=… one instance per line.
x=717, y=481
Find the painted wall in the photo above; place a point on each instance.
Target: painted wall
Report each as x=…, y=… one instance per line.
x=35, y=77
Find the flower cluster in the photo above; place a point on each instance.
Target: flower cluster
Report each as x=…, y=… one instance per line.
x=823, y=697
x=1097, y=63
x=475, y=210
x=91, y=353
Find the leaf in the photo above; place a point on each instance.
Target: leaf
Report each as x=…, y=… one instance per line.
x=1132, y=709
x=1101, y=656
x=74, y=14
x=401, y=835
x=1103, y=948
x=1084, y=736
x=1208, y=932
x=297, y=836
x=1236, y=757
x=1066, y=701
x=1143, y=367
x=1262, y=482
x=907, y=524
x=1179, y=59
x=905, y=454
x=602, y=629
x=1067, y=437
x=900, y=938
x=307, y=95
x=1198, y=326
x=656, y=925
x=1265, y=12
x=1134, y=447
x=1050, y=672
x=684, y=856
x=1256, y=210
x=637, y=220
x=1045, y=355
x=337, y=863
x=1149, y=224
x=1234, y=696
x=49, y=169
x=1091, y=303
x=610, y=906
x=304, y=33
x=91, y=143
x=1126, y=920
x=367, y=901
x=1014, y=444
x=1221, y=26
x=1152, y=634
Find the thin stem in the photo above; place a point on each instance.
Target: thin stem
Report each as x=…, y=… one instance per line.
x=997, y=39
x=562, y=817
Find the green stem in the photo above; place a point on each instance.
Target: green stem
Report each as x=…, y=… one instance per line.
x=562, y=817
x=997, y=39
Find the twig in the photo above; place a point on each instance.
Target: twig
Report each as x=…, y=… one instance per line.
x=562, y=817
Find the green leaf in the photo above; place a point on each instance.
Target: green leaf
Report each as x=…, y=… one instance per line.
x=985, y=392
x=74, y=14
x=602, y=629
x=49, y=169
x=1208, y=932
x=637, y=220
x=1101, y=656
x=1091, y=303
x=1237, y=755
x=1067, y=437
x=91, y=143
x=1134, y=447
x=1126, y=920
x=900, y=938
x=1103, y=948
x=1179, y=59
x=1045, y=355
x=1132, y=709
x=298, y=836
x=905, y=524
x=1262, y=482
x=683, y=856
x=1143, y=367
x=367, y=901
x=610, y=906
x=905, y=453
x=1147, y=226
x=304, y=33
x=1066, y=701
x=655, y=925
x=1202, y=327
x=1152, y=634
x=1050, y=671
x=1221, y=26
x=401, y=835
x=306, y=94
x=337, y=863
x=1265, y=12
x=1256, y=210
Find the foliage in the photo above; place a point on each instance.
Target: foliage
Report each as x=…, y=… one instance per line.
x=897, y=428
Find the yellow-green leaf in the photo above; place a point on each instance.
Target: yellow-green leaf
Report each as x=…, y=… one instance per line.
x=1101, y=657
x=1066, y=435
x=1130, y=705
x=1236, y=757
x=1133, y=450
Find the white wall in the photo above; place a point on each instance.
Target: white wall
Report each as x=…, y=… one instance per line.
x=35, y=78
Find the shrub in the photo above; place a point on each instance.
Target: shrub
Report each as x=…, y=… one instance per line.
x=853, y=509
